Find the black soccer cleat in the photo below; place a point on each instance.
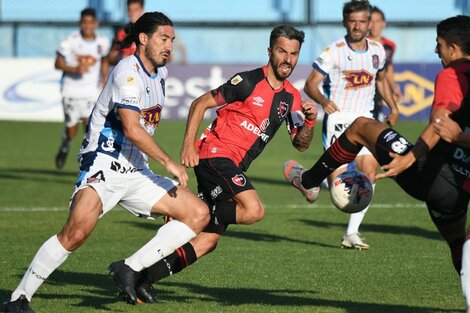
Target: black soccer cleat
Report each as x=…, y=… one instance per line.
x=19, y=305
x=125, y=279
x=144, y=293
x=60, y=159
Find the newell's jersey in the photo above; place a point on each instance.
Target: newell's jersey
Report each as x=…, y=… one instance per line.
x=131, y=87
x=350, y=75
x=77, y=50
x=253, y=113
x=451, y=93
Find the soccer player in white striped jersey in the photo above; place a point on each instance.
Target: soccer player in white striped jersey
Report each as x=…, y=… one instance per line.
x=82, y=59
x=350, y=68
x=114, y=168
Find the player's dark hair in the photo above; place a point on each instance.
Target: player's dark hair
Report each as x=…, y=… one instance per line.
x=456, y=30
x=147, y=23
x=288, y=32
x=88, y=12
x=379, y=11
x=356, y=6
x=140, y=2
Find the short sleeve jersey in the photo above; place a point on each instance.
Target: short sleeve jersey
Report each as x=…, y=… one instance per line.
x=451, y=93
x=77, y=50
x=350, y=75
x=130, y=87
x=252, y=113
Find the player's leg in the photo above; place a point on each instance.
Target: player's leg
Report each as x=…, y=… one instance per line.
x=71, y=121
x=367, y=164
x=85, y=210
x=153, y=194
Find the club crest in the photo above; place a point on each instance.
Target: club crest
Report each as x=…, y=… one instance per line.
x=239, y=180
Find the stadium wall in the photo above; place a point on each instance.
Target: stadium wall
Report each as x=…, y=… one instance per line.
x=30, y=90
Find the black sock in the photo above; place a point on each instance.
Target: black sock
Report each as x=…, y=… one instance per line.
x=342, y=151
x=183, y=257
x=456, y=248
x=225, y=212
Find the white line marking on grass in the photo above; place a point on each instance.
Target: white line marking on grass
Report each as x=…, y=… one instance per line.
x=397, y=205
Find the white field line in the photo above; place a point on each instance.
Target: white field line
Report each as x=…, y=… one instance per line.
x=396, y=205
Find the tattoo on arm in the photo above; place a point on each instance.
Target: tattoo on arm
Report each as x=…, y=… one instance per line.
x=303, y=138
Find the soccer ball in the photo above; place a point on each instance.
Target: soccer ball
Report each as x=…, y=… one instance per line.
x=351, y=191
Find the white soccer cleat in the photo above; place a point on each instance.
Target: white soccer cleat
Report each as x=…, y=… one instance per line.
x=293, y=173
x=354, y=241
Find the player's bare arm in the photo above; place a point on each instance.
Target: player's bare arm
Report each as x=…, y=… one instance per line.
x=450, y=131
x=189, y=154
x=103, y=71
x=61, y=65
x=141, y=139
x=385, y=90
x=313, y=91
x=428, y=139
x=301, y=140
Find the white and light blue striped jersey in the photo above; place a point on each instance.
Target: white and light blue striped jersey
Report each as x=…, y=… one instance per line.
x=350, y=75
x=77, y=50
x=131, y=87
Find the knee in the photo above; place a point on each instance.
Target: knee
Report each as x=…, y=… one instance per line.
x=371, y=175
x=201, y=216
x=71, y=240
x=253, y=213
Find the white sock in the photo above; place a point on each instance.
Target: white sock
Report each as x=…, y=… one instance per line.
x=169, y=237
x=465, y=272
x=355, y=220
x=49, y=257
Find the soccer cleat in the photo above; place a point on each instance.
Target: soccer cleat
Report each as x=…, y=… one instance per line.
x=144, y=293
x=293, y=173
x=60, y=159
x=125, y=279
x=354, y=241
x=19, y=305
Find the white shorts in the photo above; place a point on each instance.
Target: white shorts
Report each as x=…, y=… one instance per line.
x=335, y=124
x=76, y=109
x=136, y=190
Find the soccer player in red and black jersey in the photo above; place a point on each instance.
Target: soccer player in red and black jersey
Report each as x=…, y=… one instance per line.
x=377, y=25
x=252, y=105
x=436, y=169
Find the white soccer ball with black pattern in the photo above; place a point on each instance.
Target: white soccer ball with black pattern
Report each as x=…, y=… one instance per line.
x=351, y=191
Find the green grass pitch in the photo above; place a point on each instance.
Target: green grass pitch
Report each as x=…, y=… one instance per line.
x=289, y=262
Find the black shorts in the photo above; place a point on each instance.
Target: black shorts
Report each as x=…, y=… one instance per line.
x=424, y=180
x=219, y=180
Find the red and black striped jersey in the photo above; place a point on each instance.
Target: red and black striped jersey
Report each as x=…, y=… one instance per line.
x=252, y=113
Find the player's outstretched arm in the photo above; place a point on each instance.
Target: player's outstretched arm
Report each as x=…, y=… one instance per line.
x=134, y=131
x=189, y=153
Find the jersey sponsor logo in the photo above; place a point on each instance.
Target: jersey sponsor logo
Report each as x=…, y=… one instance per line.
x=239, y=180
x=400, y=146
x=358, y=79
x=340, y=127
x=390, y=136
x=216, y=192
x=460, y=155
x=115, y=166
x=151, y=116
x=283, y=109
x=96, y=178
x=236, y=80
x=255, y=130
x=258, y=101
x=375, y=61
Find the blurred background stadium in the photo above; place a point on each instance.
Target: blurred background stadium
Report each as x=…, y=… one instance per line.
x=220, y=37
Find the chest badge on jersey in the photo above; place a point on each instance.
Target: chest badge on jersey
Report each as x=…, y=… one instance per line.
x=282, y=109
x=239, y=180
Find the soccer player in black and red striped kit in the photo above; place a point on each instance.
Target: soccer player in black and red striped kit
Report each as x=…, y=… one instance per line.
x=436, y=169
x=253, y=106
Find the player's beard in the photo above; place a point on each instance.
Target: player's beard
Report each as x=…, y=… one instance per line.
x=277, y=72
x=354, y=37
x=154, y=57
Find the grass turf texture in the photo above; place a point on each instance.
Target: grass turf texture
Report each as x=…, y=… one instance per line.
x=289, y=262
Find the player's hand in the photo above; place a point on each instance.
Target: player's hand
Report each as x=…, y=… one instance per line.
x=189, y=155
x=446, y=128
x=309, y=109
x=392, y=118
x=179, y=171
x=398, y=164
x=81, y=68
x=397, y=93
x=330, y=107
